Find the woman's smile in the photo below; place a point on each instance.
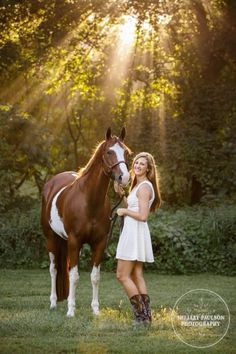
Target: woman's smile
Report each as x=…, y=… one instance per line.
x=140, y=166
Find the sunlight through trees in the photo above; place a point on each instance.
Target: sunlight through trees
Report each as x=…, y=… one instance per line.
x=166, y=69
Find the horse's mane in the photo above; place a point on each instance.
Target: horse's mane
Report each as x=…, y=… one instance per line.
x=97, y=154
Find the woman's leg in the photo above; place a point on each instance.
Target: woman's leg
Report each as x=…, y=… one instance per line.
x=123, y=274
x=124, y=271
x=138, y=279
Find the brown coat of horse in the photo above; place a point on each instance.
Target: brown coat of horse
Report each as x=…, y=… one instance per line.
x=75, y=211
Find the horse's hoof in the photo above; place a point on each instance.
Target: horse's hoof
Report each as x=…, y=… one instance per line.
x=53, y=305
x=70, y=313
x=96, y=312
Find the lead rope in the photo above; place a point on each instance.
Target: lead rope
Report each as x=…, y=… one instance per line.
x=113, y=217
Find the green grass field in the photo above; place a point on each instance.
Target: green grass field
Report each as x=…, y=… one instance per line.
x=28, y=326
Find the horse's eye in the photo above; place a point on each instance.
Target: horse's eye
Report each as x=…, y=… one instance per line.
x=109, y=152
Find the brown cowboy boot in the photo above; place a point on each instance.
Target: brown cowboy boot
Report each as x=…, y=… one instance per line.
x=146, y=301
x=139, y=309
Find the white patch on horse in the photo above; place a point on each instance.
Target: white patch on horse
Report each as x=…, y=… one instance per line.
x=55, y=221
x=95, y=279
x=73, y=279
x=53, y=273
x=120, y=157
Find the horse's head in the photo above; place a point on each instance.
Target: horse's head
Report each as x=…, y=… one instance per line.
x=115, y=157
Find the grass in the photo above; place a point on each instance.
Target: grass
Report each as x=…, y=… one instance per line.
x=28, y=326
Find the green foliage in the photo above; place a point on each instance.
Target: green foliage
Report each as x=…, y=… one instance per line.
x=190, y=240
x=21, y=242
x=185, y=240
x=67, y=74
x=71, y=74
x=23, y=148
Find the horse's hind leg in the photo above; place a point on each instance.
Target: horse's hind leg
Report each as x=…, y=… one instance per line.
x=50, y=243
x=53, y=273
x=73, y=251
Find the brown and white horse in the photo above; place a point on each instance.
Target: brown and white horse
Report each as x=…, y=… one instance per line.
x=75, y=210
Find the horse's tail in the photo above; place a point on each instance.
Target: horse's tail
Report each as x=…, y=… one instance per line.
x=62, y=265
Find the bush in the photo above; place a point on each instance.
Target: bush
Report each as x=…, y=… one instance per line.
x=185, y=240
x=21, y=241
x=199, y=239
x=192, y=240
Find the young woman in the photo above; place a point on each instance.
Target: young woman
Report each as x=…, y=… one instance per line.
x=135, y=247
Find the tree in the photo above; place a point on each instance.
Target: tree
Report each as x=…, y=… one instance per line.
x=23, y=151
x=164, y=69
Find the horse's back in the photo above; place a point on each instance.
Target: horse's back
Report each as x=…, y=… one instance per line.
x=56, y=183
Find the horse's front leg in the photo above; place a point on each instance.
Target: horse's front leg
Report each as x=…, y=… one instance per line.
x=73, y=279
x=73, y=253
x=97, y=256
x=95, y=279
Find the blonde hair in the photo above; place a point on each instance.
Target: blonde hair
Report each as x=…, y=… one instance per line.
x=151, y=175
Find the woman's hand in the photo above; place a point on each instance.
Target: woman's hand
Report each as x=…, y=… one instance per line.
x=121, y=211
x=119, y=189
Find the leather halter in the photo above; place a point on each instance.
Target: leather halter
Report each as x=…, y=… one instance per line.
x=110, y=167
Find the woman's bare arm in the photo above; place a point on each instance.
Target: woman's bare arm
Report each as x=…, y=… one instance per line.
x=144, y=195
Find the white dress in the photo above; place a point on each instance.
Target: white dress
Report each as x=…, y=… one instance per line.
x=135, y=240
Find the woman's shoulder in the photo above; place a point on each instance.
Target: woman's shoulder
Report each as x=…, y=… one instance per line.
x=145, y=185
x=145, y=182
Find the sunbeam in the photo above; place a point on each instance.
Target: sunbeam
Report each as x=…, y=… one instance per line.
x=127, y=33
x=124, y=34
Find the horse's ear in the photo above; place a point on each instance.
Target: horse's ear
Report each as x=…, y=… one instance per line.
x=122, y=134
x=108, y=133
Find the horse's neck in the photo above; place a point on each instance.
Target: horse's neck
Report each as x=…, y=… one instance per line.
x=96, y=183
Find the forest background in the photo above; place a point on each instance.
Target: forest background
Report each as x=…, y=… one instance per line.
x=166, y=70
